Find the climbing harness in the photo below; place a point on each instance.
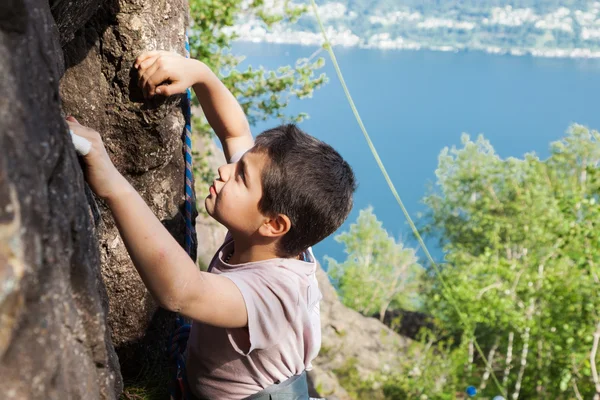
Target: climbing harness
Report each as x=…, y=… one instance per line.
x=294, y=388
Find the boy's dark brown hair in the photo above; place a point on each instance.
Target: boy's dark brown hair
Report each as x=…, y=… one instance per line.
x=308, y=181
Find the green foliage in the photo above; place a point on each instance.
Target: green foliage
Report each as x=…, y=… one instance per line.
x=378, y=273
x=263, y=94
x=357, y=386
x=522, y=249
x=426, y=371
x=429, y=374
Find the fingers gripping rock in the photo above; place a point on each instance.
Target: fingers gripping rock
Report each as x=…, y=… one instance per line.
x=82, y=145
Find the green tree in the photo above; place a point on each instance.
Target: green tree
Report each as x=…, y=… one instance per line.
x=522, y=247
x=427, y=373
x=378, y=273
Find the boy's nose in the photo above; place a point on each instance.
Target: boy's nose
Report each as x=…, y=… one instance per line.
x=224, y=172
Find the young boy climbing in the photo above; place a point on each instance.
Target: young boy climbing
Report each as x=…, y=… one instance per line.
x=256, y=320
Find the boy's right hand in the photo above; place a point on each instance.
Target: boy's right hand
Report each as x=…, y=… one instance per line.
x=100, y=173
x=166, y=73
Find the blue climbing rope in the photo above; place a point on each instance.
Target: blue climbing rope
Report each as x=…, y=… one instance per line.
x=178, y=343
x=187, y=138
x=179, y=338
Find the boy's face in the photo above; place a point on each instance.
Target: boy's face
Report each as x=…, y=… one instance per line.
x=234, y=196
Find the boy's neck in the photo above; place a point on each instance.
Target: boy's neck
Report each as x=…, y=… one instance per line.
x=244, y=252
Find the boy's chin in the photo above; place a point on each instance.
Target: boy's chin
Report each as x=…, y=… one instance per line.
x=209, y=206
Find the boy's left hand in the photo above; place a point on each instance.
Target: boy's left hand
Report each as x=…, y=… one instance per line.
x=165, y=73
x=100, y=173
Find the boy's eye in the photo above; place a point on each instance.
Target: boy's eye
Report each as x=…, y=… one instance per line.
x=241, y=173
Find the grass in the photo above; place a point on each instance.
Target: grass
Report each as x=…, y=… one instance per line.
x=151, y=384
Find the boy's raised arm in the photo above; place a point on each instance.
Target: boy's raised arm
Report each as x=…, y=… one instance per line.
x=223, y=112
x=167, y=73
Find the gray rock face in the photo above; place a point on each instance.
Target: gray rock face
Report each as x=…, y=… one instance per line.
x=70, y=16
x=54, y=343
x=144, y=141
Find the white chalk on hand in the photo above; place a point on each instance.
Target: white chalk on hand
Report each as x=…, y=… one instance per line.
x=82, y=145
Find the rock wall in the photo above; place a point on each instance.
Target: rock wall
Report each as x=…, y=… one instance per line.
x=54, y=343
x=143, y=139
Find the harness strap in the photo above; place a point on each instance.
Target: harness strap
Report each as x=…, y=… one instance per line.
x=294, y=388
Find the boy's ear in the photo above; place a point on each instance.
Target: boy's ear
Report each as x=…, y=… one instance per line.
x=276, y=226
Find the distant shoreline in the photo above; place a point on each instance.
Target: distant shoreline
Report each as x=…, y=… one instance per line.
x=309, y=39
x=553, y=33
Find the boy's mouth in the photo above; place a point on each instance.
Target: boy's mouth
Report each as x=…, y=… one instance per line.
x=213, y=191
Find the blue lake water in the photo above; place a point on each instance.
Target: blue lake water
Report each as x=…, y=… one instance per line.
x=416, y=103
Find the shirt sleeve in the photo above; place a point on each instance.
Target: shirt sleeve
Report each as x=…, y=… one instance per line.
x=272, y=303
x=238, y=155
